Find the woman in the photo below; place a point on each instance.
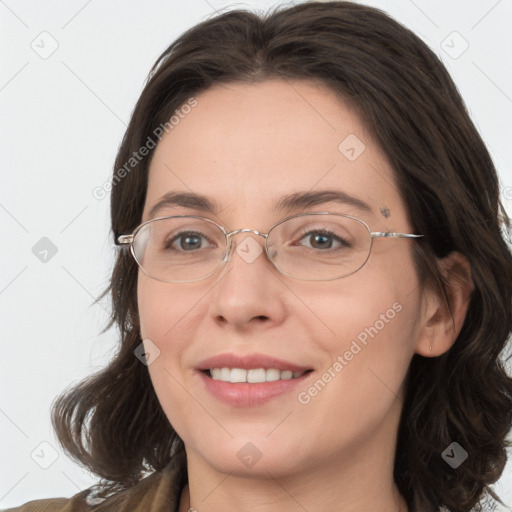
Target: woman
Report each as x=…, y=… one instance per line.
x=317, y=290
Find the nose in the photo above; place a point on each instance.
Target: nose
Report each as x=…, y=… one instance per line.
x=248, y=290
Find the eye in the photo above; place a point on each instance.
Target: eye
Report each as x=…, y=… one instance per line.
x=187, y=241
x=324, y=239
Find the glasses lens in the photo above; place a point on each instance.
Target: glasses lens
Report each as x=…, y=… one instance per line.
x=319, y=246
x=179, y=249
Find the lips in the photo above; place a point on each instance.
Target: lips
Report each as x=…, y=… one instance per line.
x=250, y=362
x=238, y=380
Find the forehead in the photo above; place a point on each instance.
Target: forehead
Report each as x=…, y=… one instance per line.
x=247, y=145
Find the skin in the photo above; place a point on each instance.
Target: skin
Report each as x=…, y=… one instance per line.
x=246, y=145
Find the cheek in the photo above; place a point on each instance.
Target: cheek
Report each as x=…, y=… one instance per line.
x=369, y=330
x=154, y=311
x=164, y=320
x=372, y=319
x=374, y=303
x=163, y=309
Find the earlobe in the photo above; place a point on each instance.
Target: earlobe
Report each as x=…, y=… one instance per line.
x=441, y=322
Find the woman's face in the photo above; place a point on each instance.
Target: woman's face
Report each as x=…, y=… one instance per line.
x=245, y=147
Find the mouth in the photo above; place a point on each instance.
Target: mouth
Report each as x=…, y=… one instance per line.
x=250, y=380
x=253, y=375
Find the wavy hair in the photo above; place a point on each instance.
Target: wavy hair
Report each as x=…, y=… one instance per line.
x=112, y=422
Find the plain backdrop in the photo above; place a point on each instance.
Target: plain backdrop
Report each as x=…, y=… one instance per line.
x=70, y=76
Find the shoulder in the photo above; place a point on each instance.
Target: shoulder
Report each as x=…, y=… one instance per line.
x=75, y=504
x=158, y=491
x=486, y=504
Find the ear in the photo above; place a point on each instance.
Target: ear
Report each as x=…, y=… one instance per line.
x=439, y=326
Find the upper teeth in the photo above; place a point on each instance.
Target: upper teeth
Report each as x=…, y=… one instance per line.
x=255, y=375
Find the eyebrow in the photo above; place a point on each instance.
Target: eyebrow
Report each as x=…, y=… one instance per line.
x=286, y=204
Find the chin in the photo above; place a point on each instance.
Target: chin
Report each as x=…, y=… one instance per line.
x=255, y=458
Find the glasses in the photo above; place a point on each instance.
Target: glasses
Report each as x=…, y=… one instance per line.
x=318, y=246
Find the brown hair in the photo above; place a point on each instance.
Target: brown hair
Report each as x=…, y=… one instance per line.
x=112, y=422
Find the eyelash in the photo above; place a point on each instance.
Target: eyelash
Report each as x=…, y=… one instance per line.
x=304, y=233
x=324, y=232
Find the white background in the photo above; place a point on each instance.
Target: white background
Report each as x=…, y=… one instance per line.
x=63, y=118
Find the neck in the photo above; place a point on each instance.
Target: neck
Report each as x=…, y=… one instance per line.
x=395, y=503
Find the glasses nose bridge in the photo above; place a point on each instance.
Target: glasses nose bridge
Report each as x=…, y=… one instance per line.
x=229, y=236
x=231, y=245
x=246, y=230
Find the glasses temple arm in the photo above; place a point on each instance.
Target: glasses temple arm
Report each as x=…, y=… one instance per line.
x=123, y=239
x=393, y=235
